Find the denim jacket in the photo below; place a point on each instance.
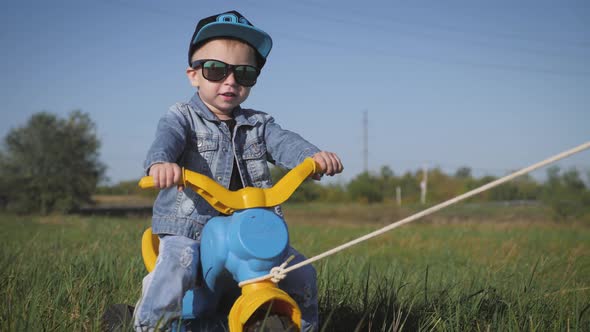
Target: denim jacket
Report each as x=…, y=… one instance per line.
x=190, y=135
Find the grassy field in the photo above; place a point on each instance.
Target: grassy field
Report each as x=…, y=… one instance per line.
x=501, y=272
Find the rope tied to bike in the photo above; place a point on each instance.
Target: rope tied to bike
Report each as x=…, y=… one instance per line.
x=279, y=272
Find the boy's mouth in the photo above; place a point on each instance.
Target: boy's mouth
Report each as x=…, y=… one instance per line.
x=228, y=94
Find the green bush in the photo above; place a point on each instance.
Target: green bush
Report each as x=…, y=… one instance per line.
x=50, y=164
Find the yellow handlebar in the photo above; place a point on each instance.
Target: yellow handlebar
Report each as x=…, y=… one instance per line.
x=147, y=182
x=227, y=202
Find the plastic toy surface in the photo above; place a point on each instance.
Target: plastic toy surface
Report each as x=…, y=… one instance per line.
x=246, y=244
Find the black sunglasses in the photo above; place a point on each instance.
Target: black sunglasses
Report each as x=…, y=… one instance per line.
x=215, y=70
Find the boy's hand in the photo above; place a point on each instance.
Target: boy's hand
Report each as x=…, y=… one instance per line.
x=329, y=163
x=165, y=175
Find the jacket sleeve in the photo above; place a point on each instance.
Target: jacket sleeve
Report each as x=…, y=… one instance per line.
x=286, y=148
x=170, y=139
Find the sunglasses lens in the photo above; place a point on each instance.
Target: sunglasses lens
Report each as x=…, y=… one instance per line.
x=214, y=70
x=246, y=75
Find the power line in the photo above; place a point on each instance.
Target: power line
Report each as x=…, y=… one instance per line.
x=452, y=28
x=413, y=57
x=430, y=59
x=375, y=23
x=149, y=9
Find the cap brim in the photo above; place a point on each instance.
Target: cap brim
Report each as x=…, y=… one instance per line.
x=257, y=38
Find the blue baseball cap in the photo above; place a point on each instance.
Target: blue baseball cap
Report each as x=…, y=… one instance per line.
x=231, y=25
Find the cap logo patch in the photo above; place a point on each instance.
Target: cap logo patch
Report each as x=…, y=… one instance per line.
x=231, y=18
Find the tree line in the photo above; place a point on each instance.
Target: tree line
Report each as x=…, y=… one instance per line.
x=52, y=164
x=565, y=191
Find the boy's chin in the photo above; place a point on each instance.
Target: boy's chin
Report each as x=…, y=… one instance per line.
x=223, y=113
x=227, y=108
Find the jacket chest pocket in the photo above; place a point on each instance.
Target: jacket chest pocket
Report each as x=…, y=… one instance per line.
x=202, y=149
x=254, y=156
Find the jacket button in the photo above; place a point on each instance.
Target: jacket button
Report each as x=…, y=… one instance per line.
x=199, y=143
x=219, y=178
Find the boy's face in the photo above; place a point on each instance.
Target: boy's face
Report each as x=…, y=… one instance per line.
x=222, y=96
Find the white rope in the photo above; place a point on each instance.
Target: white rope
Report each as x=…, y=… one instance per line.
x=426, y=212
x=276, y=274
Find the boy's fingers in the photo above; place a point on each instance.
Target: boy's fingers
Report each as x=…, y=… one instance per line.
x=165, y=175
x=338, y=164
x=153, y=172
x=162, y=178
x=177, y=172
x=329, y=165
x=158, y=178
x=321, y=161
x=329, y=162
x=335, y=163
x=332, y=163
x=169, y=176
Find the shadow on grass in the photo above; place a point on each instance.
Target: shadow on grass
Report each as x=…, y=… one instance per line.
x=392, y=304
x=386, y=312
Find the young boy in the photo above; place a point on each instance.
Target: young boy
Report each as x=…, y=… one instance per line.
x=213, y=135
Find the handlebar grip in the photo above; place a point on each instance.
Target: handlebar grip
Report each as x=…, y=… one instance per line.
x=146, y=182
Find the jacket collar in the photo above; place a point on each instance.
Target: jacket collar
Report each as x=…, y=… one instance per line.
x=203, y=111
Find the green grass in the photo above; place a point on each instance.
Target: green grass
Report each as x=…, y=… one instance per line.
x=59, y=273
x=458, y=277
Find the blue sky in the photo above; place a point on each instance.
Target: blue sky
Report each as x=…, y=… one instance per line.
x=494, y=86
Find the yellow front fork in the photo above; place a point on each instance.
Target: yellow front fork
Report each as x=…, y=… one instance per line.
x=256, y=296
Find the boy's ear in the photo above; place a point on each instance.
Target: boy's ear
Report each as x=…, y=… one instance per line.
x=192, y=76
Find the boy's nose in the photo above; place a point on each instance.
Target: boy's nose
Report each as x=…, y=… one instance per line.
x=230, y=79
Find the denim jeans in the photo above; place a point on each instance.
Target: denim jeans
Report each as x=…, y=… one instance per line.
x=176, y=272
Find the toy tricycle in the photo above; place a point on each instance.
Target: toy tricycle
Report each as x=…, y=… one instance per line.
x=248, y=242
